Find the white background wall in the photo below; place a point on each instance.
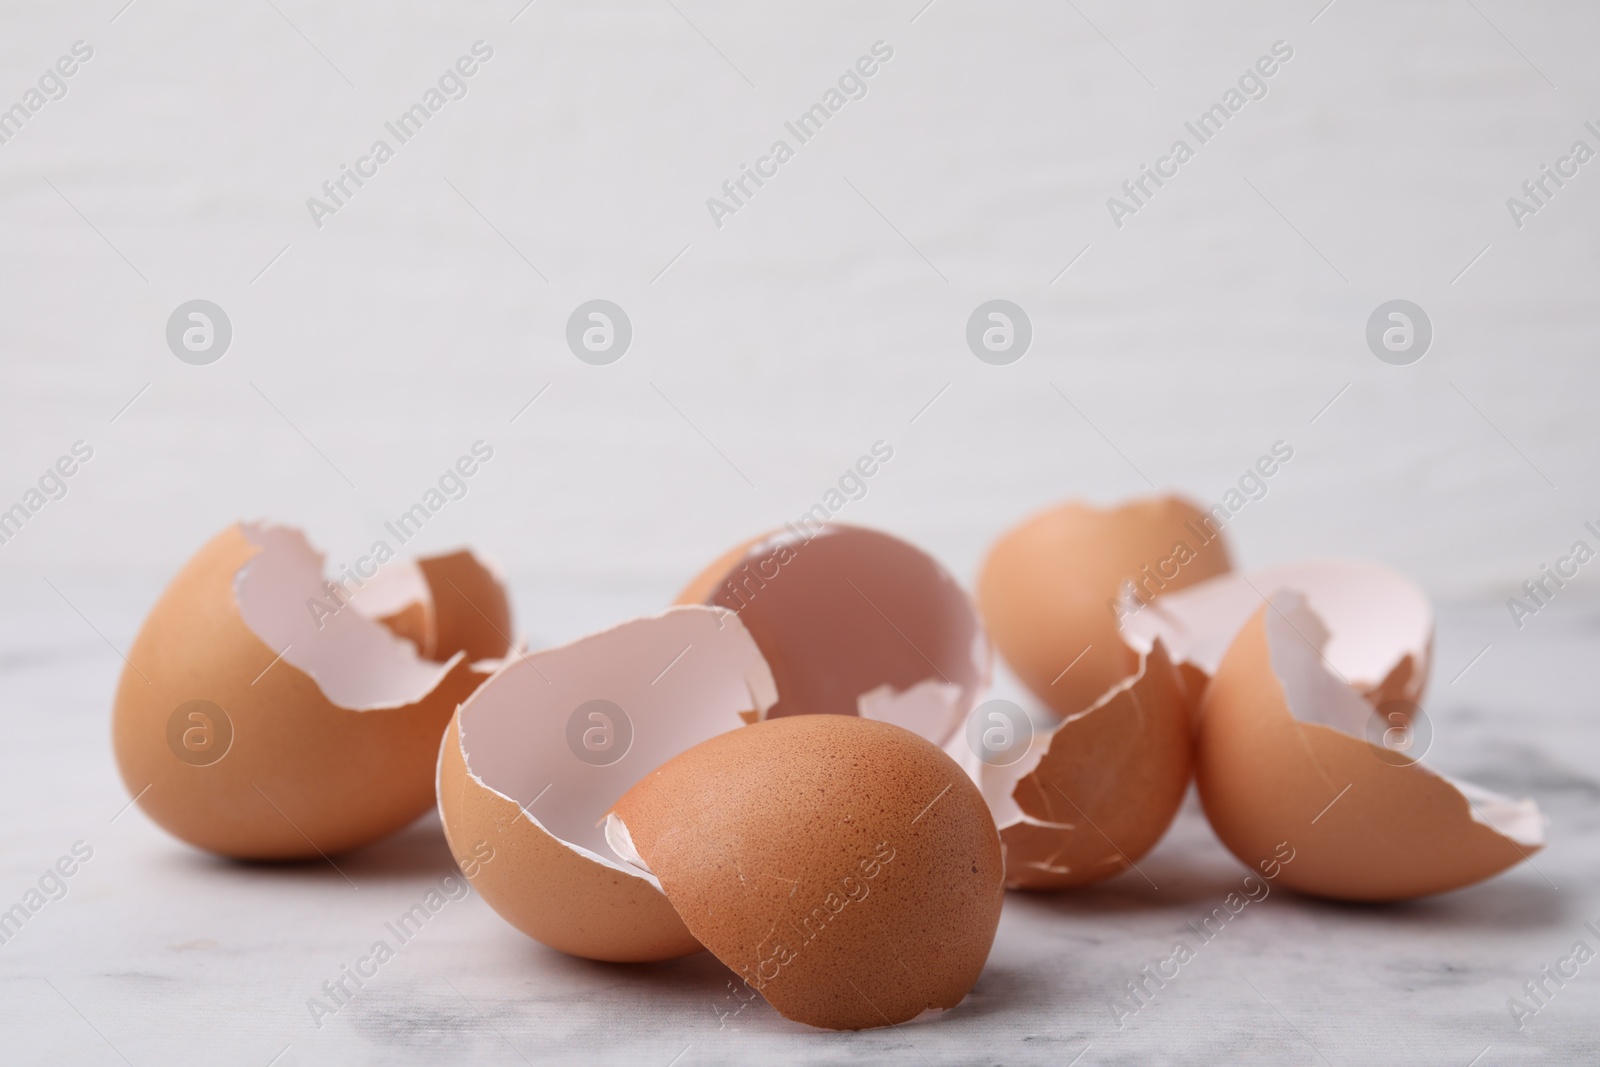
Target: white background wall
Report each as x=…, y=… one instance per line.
x=805, y=328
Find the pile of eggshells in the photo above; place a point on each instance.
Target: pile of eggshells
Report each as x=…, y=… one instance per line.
x=790, y=766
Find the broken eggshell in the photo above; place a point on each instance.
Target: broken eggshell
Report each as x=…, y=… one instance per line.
x=1283, y=757
x=532, y=761
x=1095, y=792
x=855, y=622
x=442, y=604
x=846, y=869
x=249, y=726
x=1381, y=623
x=1054, y=587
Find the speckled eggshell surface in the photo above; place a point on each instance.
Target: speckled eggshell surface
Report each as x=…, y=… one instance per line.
x=847, y=869
x=1050, y=587
x=1103, y=790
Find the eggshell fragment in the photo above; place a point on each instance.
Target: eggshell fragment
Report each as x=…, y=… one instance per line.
x=847, y=869
x=1053, y=588
x=855, y=622
x=249, y=725
x=1284, y=764
x=527, y=771
x=1381, y=623
x=1095, y=793
x=443, y=605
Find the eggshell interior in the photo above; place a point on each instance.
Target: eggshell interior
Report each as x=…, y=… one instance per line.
x=511, y=780
x=398, y=596
x=855, y=622
x=356, y=665
x=1380, y=623
x=443, y=605
x=1283, y=764
x=847, y=869
x=1053, y=588
x=333, y=724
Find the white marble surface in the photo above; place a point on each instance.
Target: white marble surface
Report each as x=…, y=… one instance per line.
x=768, y=355
x=162, y=955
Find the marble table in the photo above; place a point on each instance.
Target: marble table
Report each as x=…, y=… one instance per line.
x=158, y=954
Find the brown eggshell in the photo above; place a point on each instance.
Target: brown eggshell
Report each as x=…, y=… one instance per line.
x=471, y=611
x=1381, y=624
x=296, y=774
x=518, y=781
x=443, y=605
x=1103, y=788
x=854, y=622
x=846, y=869
x=411, y=622
x=1052, y=589
x=1359, y=822
x=545, y=888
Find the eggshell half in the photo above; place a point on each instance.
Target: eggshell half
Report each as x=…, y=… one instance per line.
x=1284, y=766
x=1053, y=588
x=1381, y=623
x=314, y=735
x=855, y=622
x=847, y=869
x=517, y=781
x=1096, y=792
